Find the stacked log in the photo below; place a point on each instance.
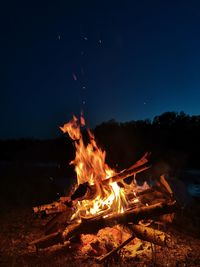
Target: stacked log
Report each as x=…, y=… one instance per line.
x=153, y=204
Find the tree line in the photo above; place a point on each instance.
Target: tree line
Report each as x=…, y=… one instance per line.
x=171, y=137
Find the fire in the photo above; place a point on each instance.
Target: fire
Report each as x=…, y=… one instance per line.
x=90, y=166
x=104, y=199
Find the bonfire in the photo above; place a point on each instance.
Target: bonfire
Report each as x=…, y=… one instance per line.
x=103, y=213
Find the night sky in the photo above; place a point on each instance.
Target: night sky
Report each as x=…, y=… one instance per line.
x=125, y=60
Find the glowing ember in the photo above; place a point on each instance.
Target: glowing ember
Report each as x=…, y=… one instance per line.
x=103, y=198
x=90, y=167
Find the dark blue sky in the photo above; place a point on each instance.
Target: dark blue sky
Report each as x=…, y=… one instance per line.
x=125, y=60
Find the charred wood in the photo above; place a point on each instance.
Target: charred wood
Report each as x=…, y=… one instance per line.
x=92, y=225
x=151, y=235
x=87, y=191
x=115, y=250
x=48, y=240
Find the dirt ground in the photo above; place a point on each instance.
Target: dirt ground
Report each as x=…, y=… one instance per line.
x=19, y=227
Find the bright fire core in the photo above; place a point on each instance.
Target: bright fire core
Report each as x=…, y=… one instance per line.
x=90, y=167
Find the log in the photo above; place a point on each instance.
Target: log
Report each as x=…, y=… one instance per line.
x=48, y=240
x=58, y=223
x=87, y=191
x=142, y=232
x=101, y=259
x=165, y=187
x=138, y=167
x=125, y=174
x=54, y=207
x=151, y=235
x=92, y=225
x=84, y=191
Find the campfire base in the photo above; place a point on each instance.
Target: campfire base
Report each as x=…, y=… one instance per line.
x=186, y=248
x=144, y=205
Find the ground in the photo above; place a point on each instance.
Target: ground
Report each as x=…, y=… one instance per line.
x=19, y=226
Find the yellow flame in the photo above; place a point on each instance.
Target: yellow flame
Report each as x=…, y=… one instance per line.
x=90, y=167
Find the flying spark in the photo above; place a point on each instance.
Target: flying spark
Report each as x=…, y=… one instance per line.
x=74, y=77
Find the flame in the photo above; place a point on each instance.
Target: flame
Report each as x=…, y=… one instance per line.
x=90, y=167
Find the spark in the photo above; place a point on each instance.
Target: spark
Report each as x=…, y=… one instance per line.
x=100, y=41
x=59, y=37
x=85, y=38
x=74, y=77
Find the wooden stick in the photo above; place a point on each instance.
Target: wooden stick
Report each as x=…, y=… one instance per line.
x=101, y=259
x=92, y=225
x=48, y=240
x=58, y=222
x=54, y=207
x=87, y=191
x=125, y=174
x=151, y=235
x=142, y=232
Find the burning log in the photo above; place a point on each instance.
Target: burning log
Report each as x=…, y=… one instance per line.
x=100, y=202
x=54, y=207
x=138, y=167
x=86, y=191
x=151, y=235
x=48, y=240
x=94, y=224
x=142, y=232
x=115, y=250
x=58, y=223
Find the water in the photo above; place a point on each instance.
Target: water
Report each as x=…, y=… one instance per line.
x=191, y=179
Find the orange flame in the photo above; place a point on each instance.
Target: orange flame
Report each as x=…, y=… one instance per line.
x=90, y=167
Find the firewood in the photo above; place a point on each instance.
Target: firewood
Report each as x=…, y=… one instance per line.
x=54, y=207
x=92, y=225
x=139, y=166
x=48, y=240
x=58, y=222
x=125, y=174
x=151, y=235
x=87, y=191
x=144, y=233
x=101, y=259
x=165, y=185
x=61, y=205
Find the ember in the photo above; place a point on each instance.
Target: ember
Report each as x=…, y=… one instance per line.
x=104, y=213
